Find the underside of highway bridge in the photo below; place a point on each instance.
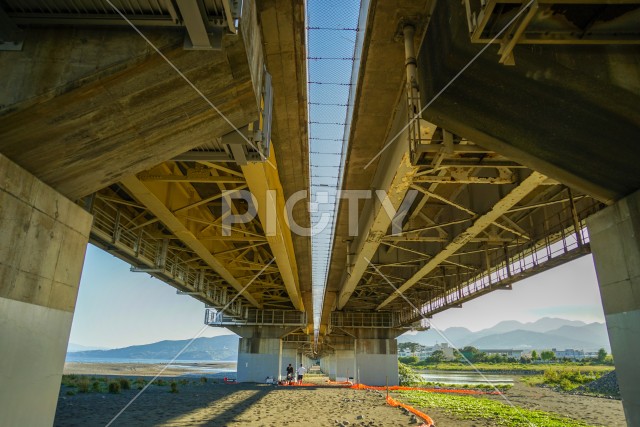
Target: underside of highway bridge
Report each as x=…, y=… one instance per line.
x=504, y=133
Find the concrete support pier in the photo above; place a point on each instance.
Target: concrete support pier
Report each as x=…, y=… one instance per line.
x=43, y=239
x=368, y=355
x=260, y=352
x=377, y=361
x=615, y=242
x=289, y=356
x=341, y=364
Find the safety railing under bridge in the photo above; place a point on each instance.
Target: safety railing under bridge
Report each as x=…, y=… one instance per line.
x=255, y=317
x=522, y=260
x=115, y=230
x=374, y=320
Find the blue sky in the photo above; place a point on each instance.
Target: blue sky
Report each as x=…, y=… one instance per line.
x=331, y=38
x=118, y=308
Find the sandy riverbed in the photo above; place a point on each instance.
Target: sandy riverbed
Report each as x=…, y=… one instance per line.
x=145, y=369
x=214, y=403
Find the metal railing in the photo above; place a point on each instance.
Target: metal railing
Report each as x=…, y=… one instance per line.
x=373, y=320
x=114, y=228
x=530, y=260
x=255, y=317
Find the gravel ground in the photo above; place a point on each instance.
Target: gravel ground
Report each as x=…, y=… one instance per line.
x=606, y=385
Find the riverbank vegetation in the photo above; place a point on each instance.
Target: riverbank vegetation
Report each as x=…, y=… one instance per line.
x=564, y=379
x=471, y=359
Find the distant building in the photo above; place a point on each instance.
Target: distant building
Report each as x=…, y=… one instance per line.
x=446, y=350
x=503, y=352
x=574, y=354
x=423, y=352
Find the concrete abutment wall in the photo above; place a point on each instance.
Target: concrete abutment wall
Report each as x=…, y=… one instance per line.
x=615, y=242
x=43, y=239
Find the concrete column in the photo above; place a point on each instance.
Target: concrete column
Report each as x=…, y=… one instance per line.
x=43, y=239
x=328, y=366
x=289, y=355
x=343, y=361
x=377, y=361
x=615, y=242
x=258, y=358
x=259, y=351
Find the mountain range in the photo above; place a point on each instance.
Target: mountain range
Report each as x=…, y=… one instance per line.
x=73, y=347
x=543, y=334
x=220, y=348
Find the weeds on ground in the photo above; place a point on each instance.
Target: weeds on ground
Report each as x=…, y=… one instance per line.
x=139, y=383
x=83, y=385
x=564, y=379
x=125, y=384
x=174, y=387
x=114, y=387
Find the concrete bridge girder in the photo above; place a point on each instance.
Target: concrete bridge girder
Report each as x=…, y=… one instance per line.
x=87, y=108
x=264, y=183
x=104, y=99
x=283, y=32
x=553, y=111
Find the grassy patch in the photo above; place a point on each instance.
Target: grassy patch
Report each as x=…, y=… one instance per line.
x=469, y=408
x=567, y=380
x=564, y=379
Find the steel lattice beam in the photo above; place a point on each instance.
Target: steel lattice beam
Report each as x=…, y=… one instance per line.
x=368, y=243
x=510, y=200
x=142, y=193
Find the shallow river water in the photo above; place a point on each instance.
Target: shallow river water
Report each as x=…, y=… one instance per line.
x=464, y=377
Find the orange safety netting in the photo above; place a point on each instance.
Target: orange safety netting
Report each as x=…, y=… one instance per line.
x=393, y=402
x=428, y=422
x=340, y=382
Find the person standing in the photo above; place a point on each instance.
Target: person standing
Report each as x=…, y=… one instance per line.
x=290, y=373
x=301, y=372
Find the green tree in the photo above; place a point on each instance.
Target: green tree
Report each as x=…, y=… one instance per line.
x=407, y=376
x=602, y=355
x=534, y=355
x=410, y=360
x=473, y=354
x=411, y=346
x=547, y=355
x=436, y=357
